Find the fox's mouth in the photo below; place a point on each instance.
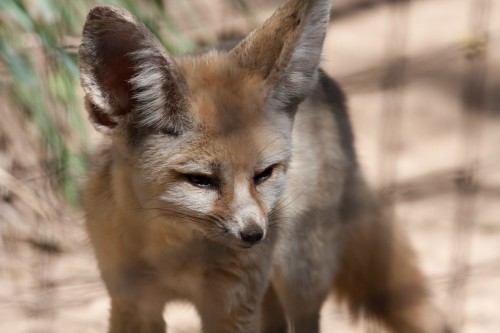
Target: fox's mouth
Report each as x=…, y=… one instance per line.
x=241, y=246
x=226, y=238
x=246, y=246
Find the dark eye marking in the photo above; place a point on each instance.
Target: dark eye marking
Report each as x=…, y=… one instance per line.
x=264, y=175
x=202, y=181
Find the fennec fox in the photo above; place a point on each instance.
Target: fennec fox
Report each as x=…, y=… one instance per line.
x=230, y=180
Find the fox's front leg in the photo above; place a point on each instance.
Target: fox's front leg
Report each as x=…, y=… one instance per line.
x=131, y=317
x=137, y=300
x=223, y=317
x=232, y=297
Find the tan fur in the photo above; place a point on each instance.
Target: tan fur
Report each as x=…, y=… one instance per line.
x=229, y=180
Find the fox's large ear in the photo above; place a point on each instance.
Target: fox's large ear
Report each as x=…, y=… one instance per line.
x=128, y=78
x=286, y=50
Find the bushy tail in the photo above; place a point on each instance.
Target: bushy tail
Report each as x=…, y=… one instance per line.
x=378, y=276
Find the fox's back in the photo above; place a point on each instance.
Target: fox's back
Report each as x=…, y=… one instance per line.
x=323, y=155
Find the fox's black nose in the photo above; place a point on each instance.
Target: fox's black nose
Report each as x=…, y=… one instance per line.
x=252, y=234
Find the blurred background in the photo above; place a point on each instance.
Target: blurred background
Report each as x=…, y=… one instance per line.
x=423, y=81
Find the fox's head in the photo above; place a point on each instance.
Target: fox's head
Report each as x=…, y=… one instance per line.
x=208, y=138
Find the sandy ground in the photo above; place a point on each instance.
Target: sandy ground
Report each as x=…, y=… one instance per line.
x=457, y=238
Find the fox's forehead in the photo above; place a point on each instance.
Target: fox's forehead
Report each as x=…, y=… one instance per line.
x=231, y=154
x=233, y=130
x=255, y=148
x=223, y=97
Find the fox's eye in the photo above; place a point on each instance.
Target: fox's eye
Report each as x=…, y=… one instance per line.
x=264, y=175
x=201, y=181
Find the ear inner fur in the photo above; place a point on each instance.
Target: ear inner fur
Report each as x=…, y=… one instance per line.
x=285, y=51
x=276, y=37
x=127, y=74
